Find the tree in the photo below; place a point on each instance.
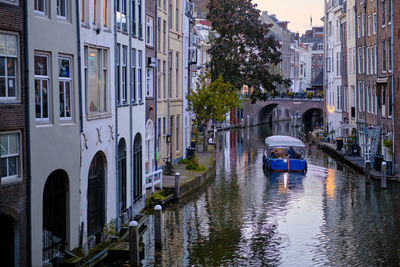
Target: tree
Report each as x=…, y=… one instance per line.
x=211, y=101
x=242, y=50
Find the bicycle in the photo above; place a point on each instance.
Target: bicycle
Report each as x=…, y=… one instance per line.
x=168, y=168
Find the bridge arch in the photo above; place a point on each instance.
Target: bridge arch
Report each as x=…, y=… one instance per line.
x=264, y=115
x=312, y=117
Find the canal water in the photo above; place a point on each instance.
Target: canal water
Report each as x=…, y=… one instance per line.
x=327, y=217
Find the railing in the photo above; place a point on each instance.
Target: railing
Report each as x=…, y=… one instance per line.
x=153, y=179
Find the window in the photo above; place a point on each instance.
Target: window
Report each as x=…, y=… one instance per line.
x=369, y=25
x=358, y=26
x=165, y=78
x=133, y=75
x=8, y=67
x=159, y=127
x=177, y=132
x=169, y=14
x=389, y=41
x=149, y=31
x=106, y=17
x=41, y=6
x=375, y=23
x=164, y=126
x=94, y=12
x=65, y=87
x=177, y=75
x=159, y=79
x=118, y=73
x=359, y=60
x=124, y=74
x=164, y=36
x=383, y=13
x=133, y=17
x=367, y=61
x=165, y=4
x=10, y=156
x=383, y=56
x=62, y=8
x=149, y=82
x=177, y=16
x=140, y=78
x=124, y=24
x=96, y=78
x=376, y=59
x=140, y=19
x=389, y=11
x=42, y=87
x=363, y=25
x=170, y=74
x=159, y=35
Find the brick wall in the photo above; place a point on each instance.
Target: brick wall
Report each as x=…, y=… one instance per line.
x=13, y=197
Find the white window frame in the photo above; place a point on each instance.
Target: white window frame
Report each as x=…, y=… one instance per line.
x=124, y=75
x=11, y=2
x=45, y=7
x=149, y=82
x=5, y=56
x=140, y=76
x=41, y=79
x=369, y=25
x=66, y=80
x=149, y=31
x=18, y=156
x=375, y=23
x=66, y=8
x=103, y=84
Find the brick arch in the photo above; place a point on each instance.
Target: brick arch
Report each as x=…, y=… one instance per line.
x=5, y=210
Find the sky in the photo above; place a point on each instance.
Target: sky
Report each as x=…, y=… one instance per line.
x=298, y=12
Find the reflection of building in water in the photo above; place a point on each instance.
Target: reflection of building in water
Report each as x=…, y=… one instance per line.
x=330, y=184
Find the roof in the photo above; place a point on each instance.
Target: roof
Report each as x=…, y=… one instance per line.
x=283, y=141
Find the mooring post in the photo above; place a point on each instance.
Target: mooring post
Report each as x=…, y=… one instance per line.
x=134, y=243
x=309, y=138
x=367, y=171
x=158, y=226
x=383, y=180
x=177, y=184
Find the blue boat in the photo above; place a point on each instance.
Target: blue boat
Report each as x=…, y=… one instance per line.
x=284, y=154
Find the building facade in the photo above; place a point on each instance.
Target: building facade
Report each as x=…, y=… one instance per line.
x=14, y=172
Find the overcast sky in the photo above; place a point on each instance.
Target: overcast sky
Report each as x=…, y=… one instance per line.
x=298, y=12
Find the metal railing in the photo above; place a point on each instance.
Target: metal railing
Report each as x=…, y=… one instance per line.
x=153, y=179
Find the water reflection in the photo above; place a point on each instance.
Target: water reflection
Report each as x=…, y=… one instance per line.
x=329, y=216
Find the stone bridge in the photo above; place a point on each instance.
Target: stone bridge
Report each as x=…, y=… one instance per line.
x=309, y=110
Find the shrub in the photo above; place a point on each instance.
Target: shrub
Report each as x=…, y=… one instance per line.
x=310, y=94
x=320, y=94
x=291, y=94
x=184, y=161
x=192, y=167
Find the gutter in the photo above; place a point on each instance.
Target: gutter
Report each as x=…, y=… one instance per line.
x=78, y=32
x=28, y=143
x=155, y=91
x=116, y=124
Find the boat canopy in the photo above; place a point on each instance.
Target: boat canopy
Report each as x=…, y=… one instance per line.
x=283, y=141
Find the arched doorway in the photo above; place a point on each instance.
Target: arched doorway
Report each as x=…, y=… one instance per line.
x=96, y=196
x=7, y=241
x=122, y=175
x=55, y=214
x=149, y=153
x=137, y=167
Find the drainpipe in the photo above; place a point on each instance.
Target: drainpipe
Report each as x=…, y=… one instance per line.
x=78, y=32
x=132, y=87
x=116, y=123
x=357, y=70
x=365, y=4
x=392, y=63
x=155, y=91
x=28, y=143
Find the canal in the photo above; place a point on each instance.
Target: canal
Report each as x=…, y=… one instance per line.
x=329, y=216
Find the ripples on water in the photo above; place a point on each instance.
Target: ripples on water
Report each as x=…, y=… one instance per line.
x=328, y=217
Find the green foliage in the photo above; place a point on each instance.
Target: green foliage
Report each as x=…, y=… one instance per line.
x=193, y=167
x=320, y=94
x=291, y=94
x=273, y=93
x=388, y=143
x=110, y=228
x=184, y=161
x=310, y=95
x=242, y=50
x=154, y=199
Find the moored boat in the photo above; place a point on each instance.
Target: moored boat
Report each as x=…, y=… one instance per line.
x=284, y=154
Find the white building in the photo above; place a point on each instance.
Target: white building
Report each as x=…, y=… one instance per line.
x=98, y=183
x=333, y=68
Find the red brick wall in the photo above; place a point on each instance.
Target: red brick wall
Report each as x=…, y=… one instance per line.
x=396, y=82
x=13, y=197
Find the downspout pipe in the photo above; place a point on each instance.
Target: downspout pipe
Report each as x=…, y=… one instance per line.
x=78, y=32
x=28, y=142
x=393, y=117
x=156, y=90
x=364, y=51
x=357, y=79
x=116, y=123
x=132, y=88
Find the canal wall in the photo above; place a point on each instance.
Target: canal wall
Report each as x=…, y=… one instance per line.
x=356, y=163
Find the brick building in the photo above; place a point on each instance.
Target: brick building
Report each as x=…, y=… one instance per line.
x=396, y=86
x=13, y=136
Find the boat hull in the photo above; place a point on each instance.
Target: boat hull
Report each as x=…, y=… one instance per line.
x=285, y=165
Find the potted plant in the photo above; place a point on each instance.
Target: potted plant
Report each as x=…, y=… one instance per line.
x=387, y=150
x=310, y=95
x=320, y=94
x=291, y=94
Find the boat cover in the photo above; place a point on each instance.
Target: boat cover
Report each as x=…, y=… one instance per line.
x=287, y=165
x=283, y=141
